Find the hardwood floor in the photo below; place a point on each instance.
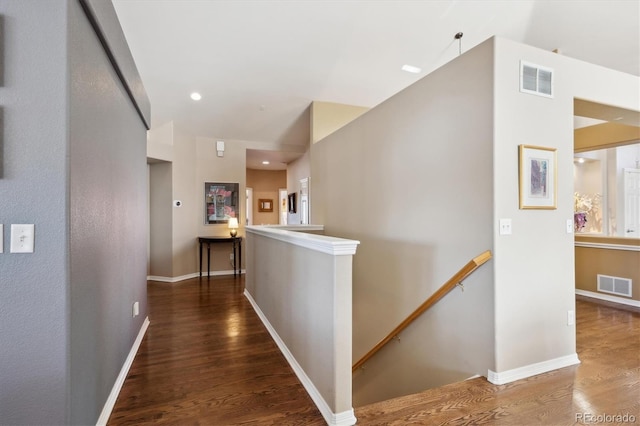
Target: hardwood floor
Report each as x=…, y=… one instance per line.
x=607, y=382
x=207, y=359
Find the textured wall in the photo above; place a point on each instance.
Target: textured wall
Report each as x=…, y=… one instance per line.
x=108, y=221
x=73, y=160
x=33, y=287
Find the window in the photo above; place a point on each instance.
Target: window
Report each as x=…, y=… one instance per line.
x=607, y=191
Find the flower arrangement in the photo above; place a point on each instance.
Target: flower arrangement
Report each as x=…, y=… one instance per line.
x=584, y=206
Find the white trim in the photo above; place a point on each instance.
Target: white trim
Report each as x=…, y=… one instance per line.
x=322, y=243
x=607, y=246
x=532, y=369
x=117, y=386
x=296, y=227
x=345, y=418
x=189, y=276
x=608, y=298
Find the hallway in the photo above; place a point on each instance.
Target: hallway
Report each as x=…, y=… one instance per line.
x=207, y=359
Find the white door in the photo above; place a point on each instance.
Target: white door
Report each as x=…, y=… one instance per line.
x=283, y=205
x=249, y=206
x=304, y=201
x=632, y=203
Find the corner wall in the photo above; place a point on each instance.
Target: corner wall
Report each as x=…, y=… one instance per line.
x=412, y=180
x=534, y=267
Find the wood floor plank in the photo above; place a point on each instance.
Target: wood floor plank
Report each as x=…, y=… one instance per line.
x=207, y=359
x=606, y=382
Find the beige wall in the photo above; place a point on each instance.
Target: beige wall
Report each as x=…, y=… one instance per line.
x=412, y=180
x=422, y=180
x=308, y=304
x=194, y=161
x=535, y=265
x=591, y=261
x=265, y=184
x=327, y=117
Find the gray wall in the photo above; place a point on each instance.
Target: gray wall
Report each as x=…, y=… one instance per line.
x=108, y=221
x=74, y=165
x=33, y=287
x=412, y=180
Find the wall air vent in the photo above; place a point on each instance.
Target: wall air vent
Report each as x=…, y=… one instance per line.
x=536, y=80
x=614, y=285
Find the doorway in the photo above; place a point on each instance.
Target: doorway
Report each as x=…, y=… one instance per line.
x=249, y=207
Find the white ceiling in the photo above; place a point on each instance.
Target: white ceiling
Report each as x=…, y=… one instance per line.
x=259, y=63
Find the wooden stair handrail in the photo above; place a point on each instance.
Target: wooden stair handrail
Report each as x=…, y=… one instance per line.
x=463, y=273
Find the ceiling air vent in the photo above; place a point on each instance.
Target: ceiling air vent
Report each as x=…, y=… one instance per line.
x=536, y=80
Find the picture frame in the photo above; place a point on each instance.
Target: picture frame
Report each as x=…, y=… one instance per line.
x=265, y=205
x=291, y=200
x=220, y=202
x=538, y=173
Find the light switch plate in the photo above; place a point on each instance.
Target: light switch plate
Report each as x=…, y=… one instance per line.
x=505, y=226
x=22, y=237
x=569, y=226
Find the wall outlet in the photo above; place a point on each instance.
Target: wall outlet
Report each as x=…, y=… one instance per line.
x=136, y=309
x=231, y=256
x=571, y=317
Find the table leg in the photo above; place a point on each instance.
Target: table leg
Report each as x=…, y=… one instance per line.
x=239, y=257
x=200, y=259
x=208, y=260
x=235, y=257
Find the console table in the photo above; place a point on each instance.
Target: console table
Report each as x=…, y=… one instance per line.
x=237, y=257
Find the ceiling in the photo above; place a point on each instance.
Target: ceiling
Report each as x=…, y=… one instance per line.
x=258, y=64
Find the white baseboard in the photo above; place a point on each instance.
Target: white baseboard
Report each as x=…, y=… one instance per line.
x=189, y=276
x=531, y=370
x=115, y=391
x=609, y=298
x=345, y=418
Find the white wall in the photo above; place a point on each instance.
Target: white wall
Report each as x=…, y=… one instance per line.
x=297, y=170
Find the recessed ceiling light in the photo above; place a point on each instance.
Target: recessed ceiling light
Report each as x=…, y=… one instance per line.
x=265, y=162
x=580, y=160
x=411, y=69
x=196, y=96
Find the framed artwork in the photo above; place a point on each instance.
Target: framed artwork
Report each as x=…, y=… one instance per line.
x=220, y=202
x=292, y=202
x=265, y=205
x=537, y=177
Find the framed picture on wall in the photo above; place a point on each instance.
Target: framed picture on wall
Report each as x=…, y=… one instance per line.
x=265, y=205
x=220, y=202
x=537, y=177
x=292, y=202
